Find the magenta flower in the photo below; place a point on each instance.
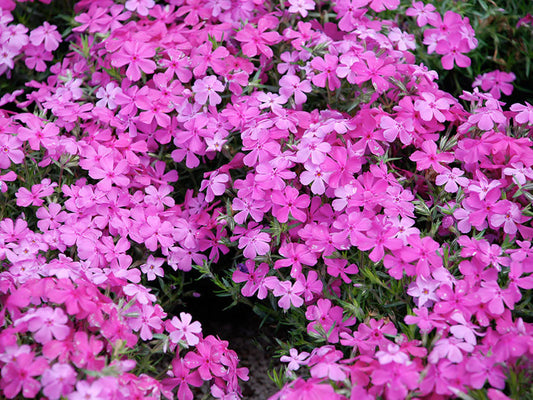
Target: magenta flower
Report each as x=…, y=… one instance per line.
x=311, y=389
x=453, y=48
x=289, y=201
x=482, y=368
x=376, y=69
x=254, y=278
x=182, y=377
x=136, y=55
x=494, y=296
x=295, y=255
x=37, y=135
x=507, y=214
x=327, y=68
x=379, y=237
x=257, y=40
x=429, y=157
x=19, y=375
x=207, y=359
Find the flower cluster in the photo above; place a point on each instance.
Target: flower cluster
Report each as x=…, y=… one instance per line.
x=315, y=162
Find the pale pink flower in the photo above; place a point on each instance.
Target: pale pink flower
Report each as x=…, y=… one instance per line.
x=185, y=330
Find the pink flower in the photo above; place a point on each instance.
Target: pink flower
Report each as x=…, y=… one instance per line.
x=290, y=84
x=519, y=172
x=58, y=381
x=451, y=348
x=110, y=173
x=136, y=55
x=452, y=179
x=422, y=12
x=152, y=267
x=140, y=293
x=496, y=82
x=7, y=177
x=294, y=359
x=34, y=197
x=87, y=391
x=314, y=149
x=257, y=40
x=141, y=6
x=207, y=88
x=316, y=176
x=525, y=113
x=486, y=117
x=289, y=293
x=35, y=58
x=301, y=6
x=254, y=243
x=216, y=185
x=430, y=107
x=107, y=95
x=392, y=354
x=312, y=389
x=159, y=197
x=10, y=151
x=181, y=328
x=48, y=34
x=48, y=322
x=403, y=40
x=381, y=5
x=295, y=255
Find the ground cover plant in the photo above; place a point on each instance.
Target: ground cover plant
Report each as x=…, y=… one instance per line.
x=358, y=171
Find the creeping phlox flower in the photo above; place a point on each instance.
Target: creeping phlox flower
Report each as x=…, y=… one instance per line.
x=314, y=169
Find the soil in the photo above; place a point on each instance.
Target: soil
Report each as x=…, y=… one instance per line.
x=240, y=327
